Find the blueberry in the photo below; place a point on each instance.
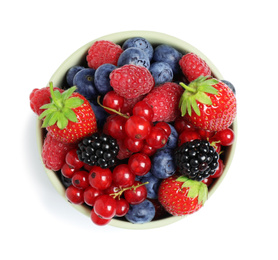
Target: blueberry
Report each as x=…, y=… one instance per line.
x=163, y=165
x=71, y=73
x=230, y=85
x=100, y=113
x=168, y=54
x=134, y=56
x=140, y=43
x=141, y=213
x=102, y=80
x=84, y=81
x=139, y=178
x=172, y=139
x=65, y=181
x=161, y=72
x=152, y=185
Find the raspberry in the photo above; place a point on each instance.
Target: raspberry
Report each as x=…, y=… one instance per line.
x=54, y=153
x=131, y=81
x=164, y=100
x=193, y=66
x=40, y=97
x=102, y=52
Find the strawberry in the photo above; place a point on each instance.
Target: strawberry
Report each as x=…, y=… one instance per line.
x=131, y=81
x=193, y=66
x=69, y=117
x=181, y=196
x=102, y=52
x=54, y=152
x=208, y=104
x=40, y=97
x=164, y=99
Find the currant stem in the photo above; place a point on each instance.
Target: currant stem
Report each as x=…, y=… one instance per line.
x=111, y=109
x=122, y=190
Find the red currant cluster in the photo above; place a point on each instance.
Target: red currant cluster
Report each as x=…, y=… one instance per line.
x=109, y=192
x=134, y=133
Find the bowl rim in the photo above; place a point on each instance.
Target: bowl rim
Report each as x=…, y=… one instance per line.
x=119, y=37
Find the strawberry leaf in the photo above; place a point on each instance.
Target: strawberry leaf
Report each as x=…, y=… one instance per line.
x=66, y=94
x=70, y=115
x=74, y=102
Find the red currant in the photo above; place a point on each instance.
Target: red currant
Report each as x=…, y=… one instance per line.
x=165, y=127
x=74, y=195
x=157, y=137
x=122, y=207
x=137, y=128
x=187, y=136
x=143, y=109
x=67, y=171
x=80, y=180
x=226, y=137
x=181, y=124
x=97, y=220
x=115, y=126
x=137, y=194
x=72, y=159
x=148, y=150
x=133, y=145
x=105, y=206
x=219, y=171
x=90, y=195
x=139, y=164
x=122, y=176
x=100, y=178
x=208, y=181
x=205, y=134
x=112, y=100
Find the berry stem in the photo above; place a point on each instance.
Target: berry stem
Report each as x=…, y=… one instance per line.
x=193, y=90
x=111, y=109
x=56, y=102
x=122, y=190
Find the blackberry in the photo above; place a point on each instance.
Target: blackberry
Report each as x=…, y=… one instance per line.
x=196, y=159
x=100, y=150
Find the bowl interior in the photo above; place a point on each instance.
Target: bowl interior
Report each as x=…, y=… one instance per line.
x=79, y=58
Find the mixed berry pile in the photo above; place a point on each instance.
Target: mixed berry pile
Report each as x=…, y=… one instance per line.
x=139, y=132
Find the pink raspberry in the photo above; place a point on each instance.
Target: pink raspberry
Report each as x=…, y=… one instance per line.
x=102, y=52
x=164, y=100
x=131, y=81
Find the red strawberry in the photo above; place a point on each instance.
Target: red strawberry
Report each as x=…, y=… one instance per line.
x=54, y=153
x=40, y=97
x=102, y=52
x=131, y=81
x=181, y=196
x=164, y=100
x=208, y=104
x=69, y=117
x=193, y=66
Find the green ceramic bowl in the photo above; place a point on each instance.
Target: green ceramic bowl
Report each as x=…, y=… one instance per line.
x=78, y=58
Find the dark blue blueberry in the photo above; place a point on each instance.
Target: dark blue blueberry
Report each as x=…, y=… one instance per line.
x=161, y=72
x=172, y=141
x=163, y=165
x=138, y=178
x=100, y=113
x=140, y=43
x=102, y=80
x=84, y=81
x=141, y=213
x=134, y=56
x=230, y=85
x=66, y=181
x=71, y=73
x=168, y=54
x=152, y=185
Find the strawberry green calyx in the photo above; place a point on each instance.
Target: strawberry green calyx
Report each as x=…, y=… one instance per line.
x=196, y=91
x=60, y=109
x=196, y=189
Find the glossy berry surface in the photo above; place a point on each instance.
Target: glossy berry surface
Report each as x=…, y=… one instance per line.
x=122, y=176
x=105, y=206
x=114, y=101
x=139, y=164
x=98, y=220
x=157, y=137
x=74, y=195
x=137, y=128
x=226, y=137
x=90, y=195
x=137, y=194
x=122, y=207
x=72, y=159
x=100, y=178
x=80, y=179
x=143, y=109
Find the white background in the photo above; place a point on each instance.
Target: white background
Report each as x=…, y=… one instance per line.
x=238, y=222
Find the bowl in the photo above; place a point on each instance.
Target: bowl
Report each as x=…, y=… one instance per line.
x=79, y=58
